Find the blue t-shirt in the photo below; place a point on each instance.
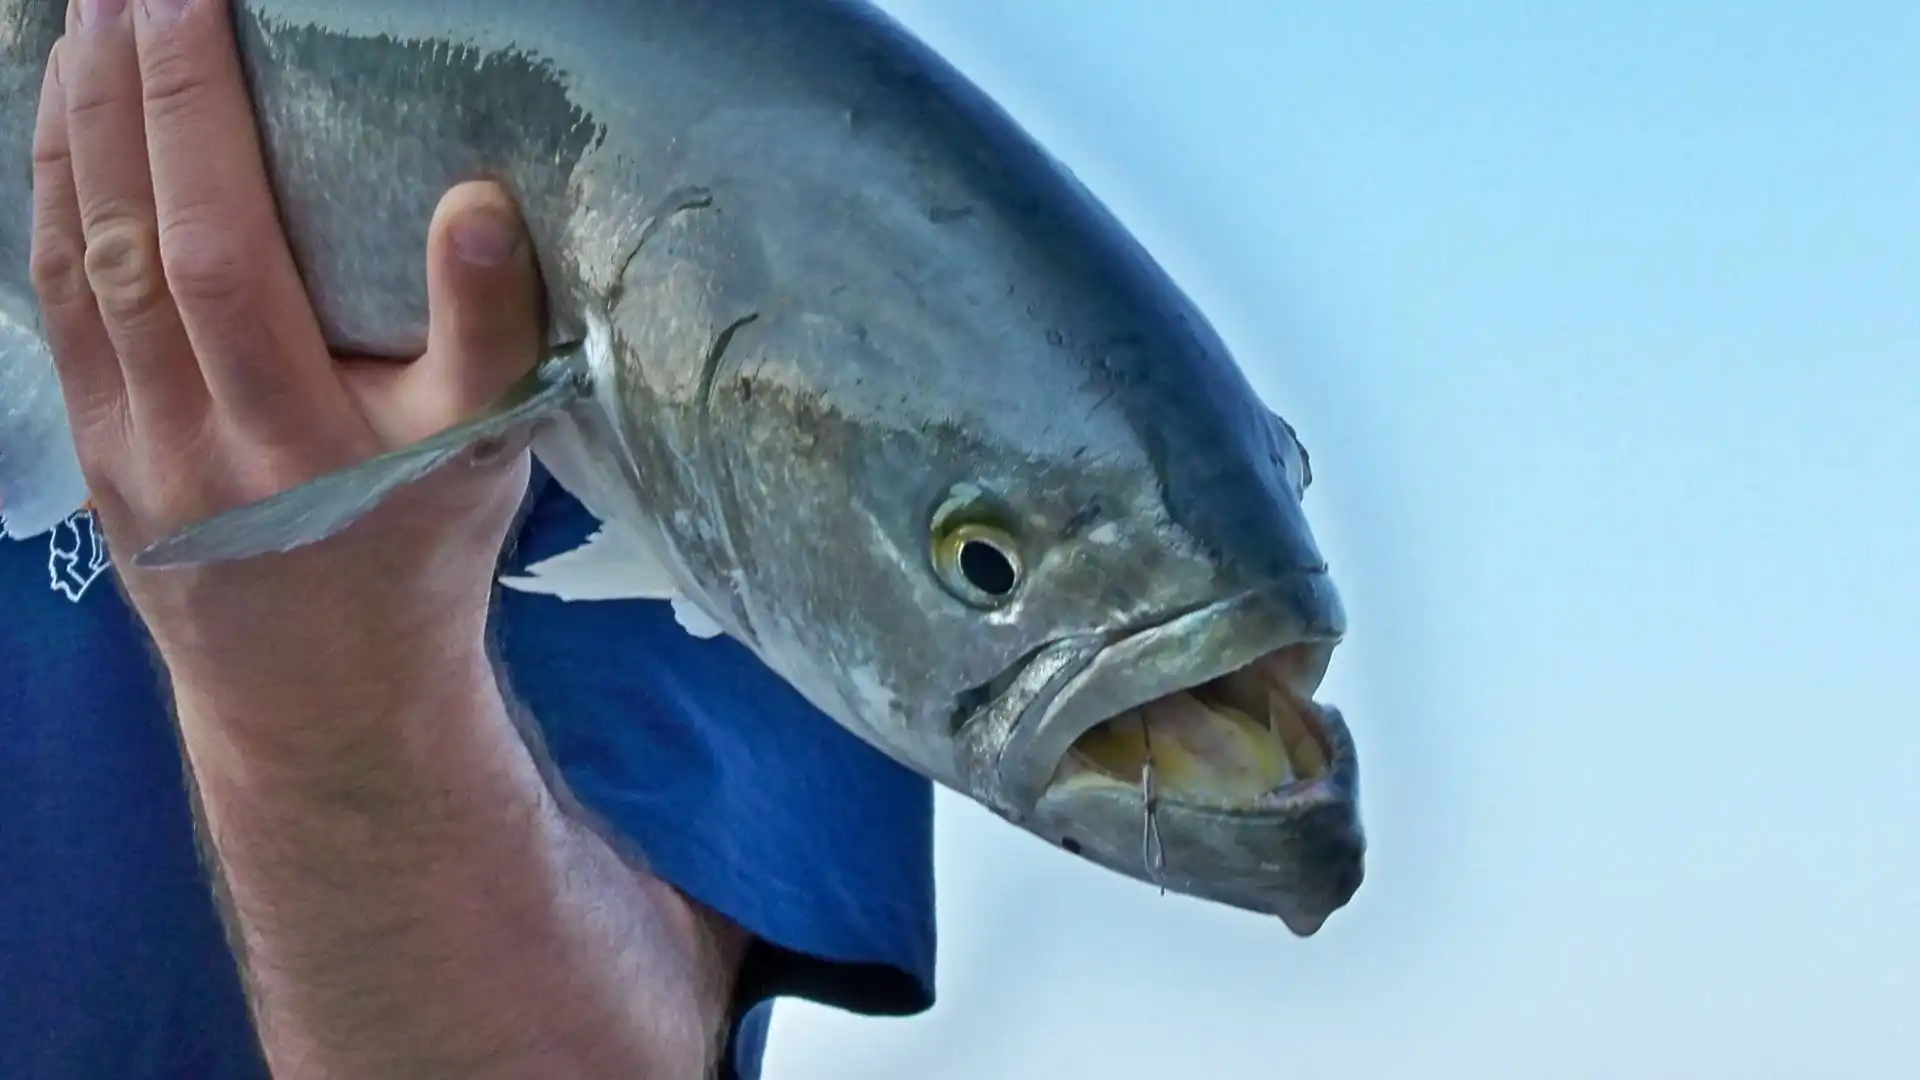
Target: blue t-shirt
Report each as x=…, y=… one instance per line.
x=113, y=962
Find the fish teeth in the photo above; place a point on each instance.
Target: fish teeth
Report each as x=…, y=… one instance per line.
x=1309, y=761
x=1206, y=752
x=1211, y=745
x=1246, y=694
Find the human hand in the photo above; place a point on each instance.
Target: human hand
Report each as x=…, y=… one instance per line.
x=196, y=376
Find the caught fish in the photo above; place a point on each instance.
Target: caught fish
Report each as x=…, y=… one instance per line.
x=848, y=368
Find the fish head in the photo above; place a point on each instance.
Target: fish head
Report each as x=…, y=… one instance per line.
x=1075, y=583
x=989, y=490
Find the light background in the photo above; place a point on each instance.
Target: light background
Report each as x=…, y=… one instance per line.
x=1600, y=322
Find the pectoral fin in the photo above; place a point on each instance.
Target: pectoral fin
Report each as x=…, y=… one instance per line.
x=322, y=507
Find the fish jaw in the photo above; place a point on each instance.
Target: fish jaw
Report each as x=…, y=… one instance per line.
x=1296, y=851
x=1254, y=786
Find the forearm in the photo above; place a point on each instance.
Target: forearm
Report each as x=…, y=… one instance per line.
x=410, y=899
x=407, y=898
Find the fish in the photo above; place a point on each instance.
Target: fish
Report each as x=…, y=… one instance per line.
x=848, y=368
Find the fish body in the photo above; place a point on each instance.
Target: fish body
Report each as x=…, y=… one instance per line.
x=849, y=368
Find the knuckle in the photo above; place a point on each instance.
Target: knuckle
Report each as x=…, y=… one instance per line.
x=123, y=265
x=204, y=268
x=87, y=102
x=50, y=154
x=57, y=267
x=174, y=86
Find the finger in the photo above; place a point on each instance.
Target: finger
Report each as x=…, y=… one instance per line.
x=484, y=303
x=106, y=130
x=231, y=273
x=82, y=352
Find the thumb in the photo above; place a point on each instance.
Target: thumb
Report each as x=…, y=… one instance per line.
x=485, y=306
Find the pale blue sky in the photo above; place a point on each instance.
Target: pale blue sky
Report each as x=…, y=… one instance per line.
x=1602, y=322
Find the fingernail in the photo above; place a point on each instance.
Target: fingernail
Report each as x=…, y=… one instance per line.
x=484, y=238
x=95, y=14
x=163, y=11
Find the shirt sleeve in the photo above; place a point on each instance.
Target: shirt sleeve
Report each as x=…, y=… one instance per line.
x=732, y=787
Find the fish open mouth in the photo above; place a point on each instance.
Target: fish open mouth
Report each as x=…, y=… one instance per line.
x=1189, y=754
x=1242, y=741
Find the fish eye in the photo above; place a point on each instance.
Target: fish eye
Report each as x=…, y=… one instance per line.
x=978, y=563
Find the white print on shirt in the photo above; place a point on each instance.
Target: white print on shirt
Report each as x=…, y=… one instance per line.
x=76, y=555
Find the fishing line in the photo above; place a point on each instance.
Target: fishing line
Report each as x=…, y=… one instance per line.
x=1152, y=854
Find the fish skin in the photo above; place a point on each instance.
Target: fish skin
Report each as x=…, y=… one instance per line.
x=825, y=291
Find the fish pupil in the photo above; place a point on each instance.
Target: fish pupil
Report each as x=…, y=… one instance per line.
x=987, y=568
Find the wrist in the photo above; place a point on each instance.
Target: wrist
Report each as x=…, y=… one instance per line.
x=283, y=621
x=326, y=706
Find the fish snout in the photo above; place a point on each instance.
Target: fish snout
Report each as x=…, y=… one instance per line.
x=1263, y=541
